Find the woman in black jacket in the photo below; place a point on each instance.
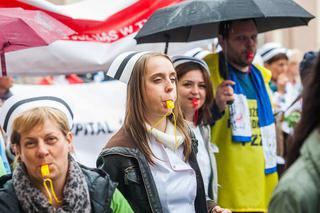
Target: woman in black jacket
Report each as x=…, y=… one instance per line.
x=46, y=178
x=152, y=156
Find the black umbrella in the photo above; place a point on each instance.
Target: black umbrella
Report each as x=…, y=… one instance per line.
x=199, y=19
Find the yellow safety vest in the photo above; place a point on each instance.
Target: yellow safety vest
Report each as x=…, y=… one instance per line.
x=244, y=187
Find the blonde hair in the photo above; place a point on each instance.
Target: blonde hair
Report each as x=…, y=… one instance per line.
x=135, y=119
x=25, y=122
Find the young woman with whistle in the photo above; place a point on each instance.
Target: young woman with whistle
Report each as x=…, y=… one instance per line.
x=153, y=157
x=46, y=178
x=196, y=98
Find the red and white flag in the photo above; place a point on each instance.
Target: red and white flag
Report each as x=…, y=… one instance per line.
x=105, y=29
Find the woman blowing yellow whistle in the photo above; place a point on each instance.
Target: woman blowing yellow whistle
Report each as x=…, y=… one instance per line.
x=46, y=177
x=153, y=153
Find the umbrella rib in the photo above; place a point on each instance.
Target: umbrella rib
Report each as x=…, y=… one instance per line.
x=304, y=21
x=189, y=32
x=19, y=44
x=258, y=7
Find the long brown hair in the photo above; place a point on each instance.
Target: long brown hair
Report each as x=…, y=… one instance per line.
x=310, y=116
x=204, y=111
x=135, y=119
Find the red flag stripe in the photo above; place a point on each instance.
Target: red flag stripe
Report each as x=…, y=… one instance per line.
x=115, y=27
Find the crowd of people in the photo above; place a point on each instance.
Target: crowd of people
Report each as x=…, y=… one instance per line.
x=209, y=133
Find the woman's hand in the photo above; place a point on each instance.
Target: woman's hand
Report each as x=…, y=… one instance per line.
x=282, y=82
x=218, y=209
x=5, y=84
x=214, y=208
x=224, y=94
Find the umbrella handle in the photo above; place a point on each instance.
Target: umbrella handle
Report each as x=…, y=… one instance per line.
x=230, y=102
x=3, y=63
x=3, y=58
x=166, y=48
x=226, y=71
x=167, y=44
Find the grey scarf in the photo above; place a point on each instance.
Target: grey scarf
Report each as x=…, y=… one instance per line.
x=75, y=192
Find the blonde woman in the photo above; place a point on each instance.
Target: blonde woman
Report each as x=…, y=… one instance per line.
x=46, y=177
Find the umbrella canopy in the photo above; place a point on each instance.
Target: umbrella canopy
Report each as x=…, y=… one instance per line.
x=27, y=28
x=199, y=19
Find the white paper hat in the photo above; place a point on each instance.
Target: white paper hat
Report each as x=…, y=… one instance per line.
x=181, y=59
x=122, y=66
x=269, y=50
x=17, y=104
x=197, y=53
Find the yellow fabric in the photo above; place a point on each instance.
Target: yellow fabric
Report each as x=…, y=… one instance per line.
x=244, y=187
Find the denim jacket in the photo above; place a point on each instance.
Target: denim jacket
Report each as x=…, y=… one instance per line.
x=128, y=166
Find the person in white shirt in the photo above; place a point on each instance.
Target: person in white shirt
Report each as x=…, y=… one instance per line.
x=153, y=156
x=196, y=98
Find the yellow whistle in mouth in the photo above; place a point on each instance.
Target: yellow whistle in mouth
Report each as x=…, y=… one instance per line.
x=45, y=172
x=170, y=104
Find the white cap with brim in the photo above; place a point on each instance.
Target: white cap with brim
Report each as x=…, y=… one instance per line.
x=270, y=50
x=180, y=59
x=197, y=53
x=122, y=66
x=17, y=104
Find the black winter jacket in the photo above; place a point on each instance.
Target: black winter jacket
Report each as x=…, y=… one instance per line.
x=101, y=190
x=127, y=165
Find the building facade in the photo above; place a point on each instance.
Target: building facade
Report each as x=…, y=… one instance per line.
x=304, y=38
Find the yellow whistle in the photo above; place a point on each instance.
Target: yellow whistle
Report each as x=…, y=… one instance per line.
x=45, y=172
x=170, y=104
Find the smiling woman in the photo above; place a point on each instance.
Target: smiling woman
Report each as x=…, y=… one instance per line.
x=46, y=177
x=196, y=97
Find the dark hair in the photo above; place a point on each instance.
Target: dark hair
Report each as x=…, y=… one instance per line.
x=204, y=111
x=310, y=116
x=307, y=64
x=225, y=26
x=277, y=58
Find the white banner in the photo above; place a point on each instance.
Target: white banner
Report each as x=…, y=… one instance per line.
x=98, y=113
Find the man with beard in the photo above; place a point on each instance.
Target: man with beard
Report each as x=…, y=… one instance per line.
x=245, y=135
